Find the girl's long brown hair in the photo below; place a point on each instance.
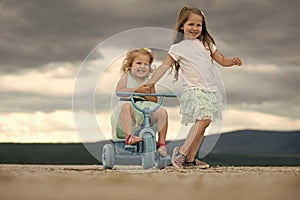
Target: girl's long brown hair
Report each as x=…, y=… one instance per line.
x=204, y=37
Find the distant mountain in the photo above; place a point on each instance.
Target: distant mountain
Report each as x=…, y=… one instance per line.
x=44, y=153
x=265, y=143
x=252, y=148
x=246, y=148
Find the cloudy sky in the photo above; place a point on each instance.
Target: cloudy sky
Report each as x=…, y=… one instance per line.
x=43, y=45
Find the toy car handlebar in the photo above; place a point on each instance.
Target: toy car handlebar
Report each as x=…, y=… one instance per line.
x=128, y=94
x=131, y=96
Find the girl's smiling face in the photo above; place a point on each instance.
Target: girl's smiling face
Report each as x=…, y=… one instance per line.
x=192, y=28
x=140, y=67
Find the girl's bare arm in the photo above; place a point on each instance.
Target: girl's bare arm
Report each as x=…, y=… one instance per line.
x=121, y=86
x=226, y=61
x=162, y=69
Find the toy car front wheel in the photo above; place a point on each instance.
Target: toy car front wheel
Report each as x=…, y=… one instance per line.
x=108, y=156
x=148, y=156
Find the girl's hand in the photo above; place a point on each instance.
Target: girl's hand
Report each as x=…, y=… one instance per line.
x=150, y=85
x=143, y=89
x=147, y=89
x=237, y=61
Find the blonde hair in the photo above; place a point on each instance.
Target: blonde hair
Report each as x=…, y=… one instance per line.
x=131, y=55
x=204, y=37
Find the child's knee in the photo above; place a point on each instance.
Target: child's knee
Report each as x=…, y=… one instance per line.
x=160, y=115
x=205, y=123
x=126, y=107
x=163, y=112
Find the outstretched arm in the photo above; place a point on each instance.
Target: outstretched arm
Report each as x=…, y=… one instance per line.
x=161, y=70
x=225, y=61
x=121, y=86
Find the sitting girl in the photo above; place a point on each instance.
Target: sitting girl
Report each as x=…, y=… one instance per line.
x=136, y=69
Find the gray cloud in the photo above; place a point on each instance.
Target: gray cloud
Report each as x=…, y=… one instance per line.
x=257, y=87
x=261, y=30
x=37, y=32
x=30, y=103
x=273, y=92
x=48, y=31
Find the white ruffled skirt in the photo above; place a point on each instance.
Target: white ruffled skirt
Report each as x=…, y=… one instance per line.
x=197, y=104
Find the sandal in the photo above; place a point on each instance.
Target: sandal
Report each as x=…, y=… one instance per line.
x=132, y=139
x=196, y=164
x=177, y=158
x=162, y=150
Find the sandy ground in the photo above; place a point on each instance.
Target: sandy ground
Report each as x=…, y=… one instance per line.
x=130, y=182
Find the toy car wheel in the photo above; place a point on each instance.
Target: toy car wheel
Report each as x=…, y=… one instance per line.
x=161, y=162
x=148, y=155
x=108, y=156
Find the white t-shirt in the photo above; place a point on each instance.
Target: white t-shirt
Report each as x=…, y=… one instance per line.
x=197, y=69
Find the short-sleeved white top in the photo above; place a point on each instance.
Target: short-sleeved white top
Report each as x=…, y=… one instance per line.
x=197, y=68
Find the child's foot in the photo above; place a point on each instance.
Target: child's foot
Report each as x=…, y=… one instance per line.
x=196, y=164
x=162, y=150
x=131, y=140
x=177, y=158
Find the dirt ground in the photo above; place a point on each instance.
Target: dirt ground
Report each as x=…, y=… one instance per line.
x=130, y=182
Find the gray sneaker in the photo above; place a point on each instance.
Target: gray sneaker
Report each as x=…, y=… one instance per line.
x=196, y=164
x=177, y=158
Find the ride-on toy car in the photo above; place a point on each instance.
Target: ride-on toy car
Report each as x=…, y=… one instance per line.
x=145, y=150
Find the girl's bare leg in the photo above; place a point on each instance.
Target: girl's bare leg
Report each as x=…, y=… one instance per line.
x=202, y=125
x=194, y=139
x=161, y=117
x=126, y=118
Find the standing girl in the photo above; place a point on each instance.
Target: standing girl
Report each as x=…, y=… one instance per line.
x=193, y=52
x=135, y=70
